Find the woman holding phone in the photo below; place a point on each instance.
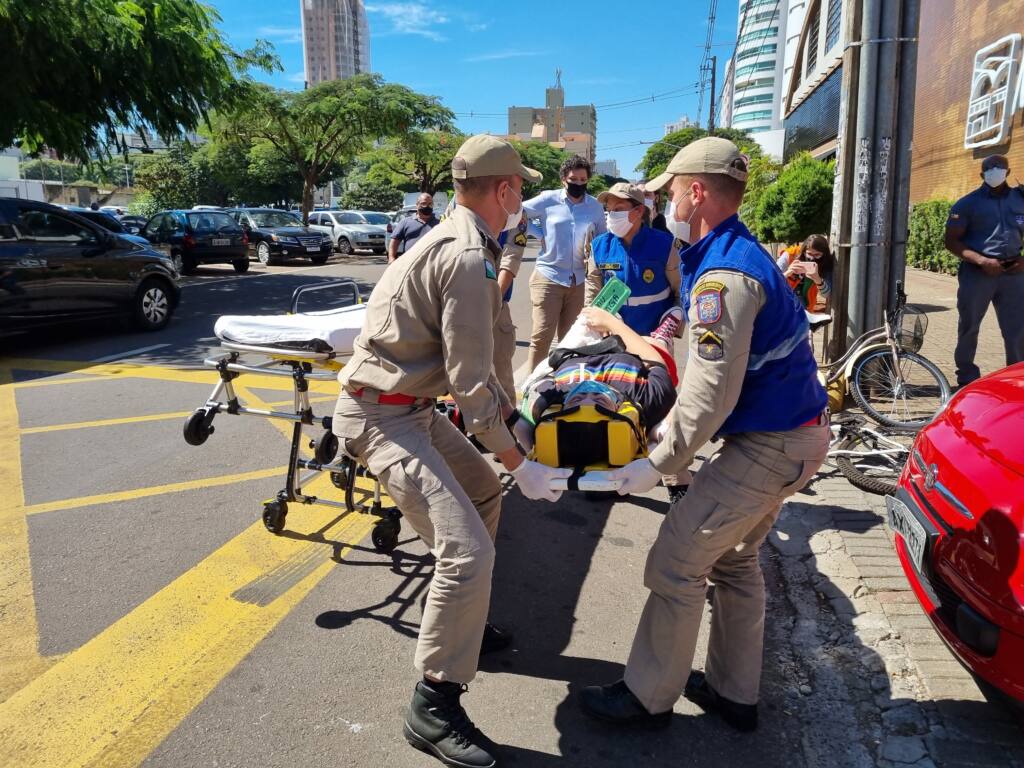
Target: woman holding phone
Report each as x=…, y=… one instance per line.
x=809, y=272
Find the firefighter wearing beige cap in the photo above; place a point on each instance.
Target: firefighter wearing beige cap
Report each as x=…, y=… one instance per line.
x=750, y=379
x=429, y=331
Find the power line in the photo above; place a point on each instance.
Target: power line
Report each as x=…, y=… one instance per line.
x=705, y=61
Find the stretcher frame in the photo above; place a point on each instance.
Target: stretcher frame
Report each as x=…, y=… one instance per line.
x=300, y=366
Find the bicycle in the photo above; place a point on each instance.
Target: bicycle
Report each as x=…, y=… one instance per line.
x=868, y=457
x=893, y=384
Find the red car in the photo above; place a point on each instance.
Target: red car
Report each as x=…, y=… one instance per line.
x=959, y=517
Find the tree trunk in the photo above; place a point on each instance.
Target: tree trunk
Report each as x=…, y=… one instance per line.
x=308, y=187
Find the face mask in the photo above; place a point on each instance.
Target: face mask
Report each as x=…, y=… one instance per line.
x=618, y=223
x=575, y=190
x=679, y=229
x=513, y=218
x=650, y=207
x=994, y=177
x=426, y=211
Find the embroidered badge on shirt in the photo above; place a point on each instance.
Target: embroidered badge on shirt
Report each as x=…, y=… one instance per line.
x=520, y=239
x=648, y=275
x=708, y=296
x=710, y=347
x=489, y=271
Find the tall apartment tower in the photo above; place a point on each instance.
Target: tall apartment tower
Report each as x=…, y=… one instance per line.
x=336, y=39
x=756, y=76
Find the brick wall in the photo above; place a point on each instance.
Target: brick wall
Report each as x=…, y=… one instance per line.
x=951, y=32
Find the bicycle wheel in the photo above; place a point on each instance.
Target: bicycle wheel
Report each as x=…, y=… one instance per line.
x=872, y=460
x=903, y=397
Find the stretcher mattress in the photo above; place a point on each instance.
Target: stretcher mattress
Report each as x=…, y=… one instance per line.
x=330, y=331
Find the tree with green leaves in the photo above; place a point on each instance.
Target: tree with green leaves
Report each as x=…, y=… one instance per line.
x=546, y=160
x=330, y=123
x=657, y=157
x=764, y=172
x=51, y=170
x=799, y=203
x=76, y=73
x=169, y=178
x=369, y=195
x=419, y=161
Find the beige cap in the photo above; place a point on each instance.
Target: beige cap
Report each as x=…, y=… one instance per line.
x=624, y=191
x=486, y=155
x=708, y=155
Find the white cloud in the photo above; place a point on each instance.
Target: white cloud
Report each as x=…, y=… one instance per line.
x=501, y=55
x=281, y=34
x=415, y=18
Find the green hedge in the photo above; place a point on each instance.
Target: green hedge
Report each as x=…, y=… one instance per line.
x=926, y=248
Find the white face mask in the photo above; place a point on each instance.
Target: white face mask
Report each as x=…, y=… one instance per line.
x=513, y=218
x=618, y=223
x=679, y=229
x=994, y=177
x=650, y=206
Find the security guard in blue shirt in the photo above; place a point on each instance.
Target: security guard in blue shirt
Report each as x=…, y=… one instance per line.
x=643, y=258
x=751, y=379
x=986, y=230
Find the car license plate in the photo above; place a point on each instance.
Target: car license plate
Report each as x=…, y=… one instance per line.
x=311, y=249
x=220, y=241
x=903, y=522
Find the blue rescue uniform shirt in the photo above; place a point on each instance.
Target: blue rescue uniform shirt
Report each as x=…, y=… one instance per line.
x=994, y=222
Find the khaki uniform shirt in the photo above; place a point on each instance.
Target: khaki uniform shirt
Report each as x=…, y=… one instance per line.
x=429, y=326
x=715, y=369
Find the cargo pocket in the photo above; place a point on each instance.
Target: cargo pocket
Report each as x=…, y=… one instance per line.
x=809, y=453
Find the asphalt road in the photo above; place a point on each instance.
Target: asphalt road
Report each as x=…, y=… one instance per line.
x=147, y=617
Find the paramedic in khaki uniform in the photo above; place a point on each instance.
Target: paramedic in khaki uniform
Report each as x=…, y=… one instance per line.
x=750, y=378
x=428, y=331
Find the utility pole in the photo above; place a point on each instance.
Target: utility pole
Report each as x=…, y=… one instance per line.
x=711, y=105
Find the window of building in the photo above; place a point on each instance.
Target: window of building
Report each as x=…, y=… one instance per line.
x=761, y=98
x=813, y=31
x=758, y=53
x=751, y=4
x=758, y=66
x=759, y=34
x=753, y=117
x=833, y=23
x=764, y=82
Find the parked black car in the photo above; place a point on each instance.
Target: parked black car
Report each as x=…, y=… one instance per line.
x=106, y=221
x=274, y=234
x=190, y=238
x=57, y=267
x=133, y=224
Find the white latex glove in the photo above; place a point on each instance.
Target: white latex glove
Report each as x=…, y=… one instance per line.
x=534, y=480
x=638, y=476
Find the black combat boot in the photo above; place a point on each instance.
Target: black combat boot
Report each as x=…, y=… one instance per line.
x=438, y=725
x=742, y=717
x=616, y=704
x=495, y=639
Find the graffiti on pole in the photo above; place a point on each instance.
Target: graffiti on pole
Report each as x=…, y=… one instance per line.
x=997, y=93
x=862, y=188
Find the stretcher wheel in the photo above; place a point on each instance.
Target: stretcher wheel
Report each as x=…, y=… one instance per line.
x=326, y=448
x=197, y=430
x=274, y=513
x=385, y=535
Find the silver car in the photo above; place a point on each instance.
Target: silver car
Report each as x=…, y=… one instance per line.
x=349, y=230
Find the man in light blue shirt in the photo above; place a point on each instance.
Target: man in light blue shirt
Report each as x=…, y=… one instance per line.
x=569, y=219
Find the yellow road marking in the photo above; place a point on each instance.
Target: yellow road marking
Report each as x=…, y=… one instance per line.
x=112, y=701
x=33, y=383
x=153, y=490
x=153, y=417
x=20, y=661
x=159, y=372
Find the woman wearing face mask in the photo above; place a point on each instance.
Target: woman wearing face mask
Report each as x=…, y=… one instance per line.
x=654, y=218
x=641, y=257
x=569, y=219
x=809, y=271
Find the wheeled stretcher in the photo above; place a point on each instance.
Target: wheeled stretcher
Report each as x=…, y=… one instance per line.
x=303, y=347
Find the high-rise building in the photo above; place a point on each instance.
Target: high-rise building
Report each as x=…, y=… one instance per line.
x=678, y=125
x=766, y=41
x=336, y=39
x=571, y=128
x=607, y=168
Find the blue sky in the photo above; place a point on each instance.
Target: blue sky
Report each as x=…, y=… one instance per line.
x=485, y=56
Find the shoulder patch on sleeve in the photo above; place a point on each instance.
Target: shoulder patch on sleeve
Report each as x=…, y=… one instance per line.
x=710, y=346
x=708, y=298
x=519, y=239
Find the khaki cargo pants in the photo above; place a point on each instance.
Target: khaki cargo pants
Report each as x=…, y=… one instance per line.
x=555, y=308
x=451, y=497
x=715, y=532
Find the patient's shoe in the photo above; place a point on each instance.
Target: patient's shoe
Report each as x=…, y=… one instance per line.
x=616, y=704
x=668, y=325
x=676, y=493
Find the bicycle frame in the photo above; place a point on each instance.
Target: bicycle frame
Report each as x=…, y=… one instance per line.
x=886, y=336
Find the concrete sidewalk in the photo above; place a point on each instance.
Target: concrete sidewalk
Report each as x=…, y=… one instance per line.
x=909, y=701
